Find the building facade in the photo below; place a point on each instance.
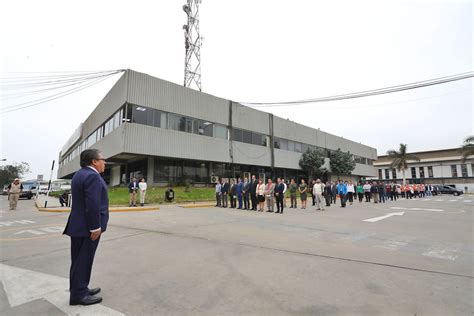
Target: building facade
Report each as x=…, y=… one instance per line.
x=435, y=167
x=148, y=127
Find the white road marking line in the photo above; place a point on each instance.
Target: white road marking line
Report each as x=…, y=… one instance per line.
x=442, y=253
x=23, y=286
x=452, y=200
x=376, y=219
x=427, y=199
x=416, y=209
x=439, y=200
x=467, y=201
x=392, y=245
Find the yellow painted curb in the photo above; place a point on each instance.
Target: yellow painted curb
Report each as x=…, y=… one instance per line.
x=197, y=205
x=123, y=209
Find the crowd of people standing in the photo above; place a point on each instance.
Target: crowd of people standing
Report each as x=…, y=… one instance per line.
x=254, y=195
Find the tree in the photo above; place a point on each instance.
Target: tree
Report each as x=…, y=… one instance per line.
x=342, y=163
x=8, y=173
x=467, y=149
x=311, y=162
x=400, y=159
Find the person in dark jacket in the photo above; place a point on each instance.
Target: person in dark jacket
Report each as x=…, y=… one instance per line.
x=246, y=194
x=169, y=194
x=238, y=192
x=86, y=223
x=224, y=192
x=232, y=193
x=382, y=192
x=132, y=190
x=374, y=190
x=279, y=188
x=333, y=192
x=253, y=193
x=328, y=193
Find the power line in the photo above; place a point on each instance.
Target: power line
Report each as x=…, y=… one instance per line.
x=59, y=95
x=53, y=81
x=392, y=89
x=22, y=94
x=52, y=96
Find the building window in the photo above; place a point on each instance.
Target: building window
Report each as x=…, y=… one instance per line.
x=430, y=172
x=91, y=139
x=284, y=144
x=276, y=142
x=464, y=170
x=220, y=131
x=394, y=173
x=291, y=145
x=454, y=171
x=247, y=137
x=413, y=172
x=370, y=162
x=177, y=123
x=298, y=147
x=159, y=119
x=380, y=174
x=258, y=139
x=422, y=172
x=142, y=115
x=387, y=174
x=237, y=136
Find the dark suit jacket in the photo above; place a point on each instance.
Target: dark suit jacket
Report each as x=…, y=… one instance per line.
x=253, y=187
x=225, y=188
x=279, y=189
x=90, y=204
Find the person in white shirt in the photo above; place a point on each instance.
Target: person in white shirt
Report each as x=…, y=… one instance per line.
x=318, y=189
x=142, y=186
x=366, y=188
x=284, y=191
x=350, y=192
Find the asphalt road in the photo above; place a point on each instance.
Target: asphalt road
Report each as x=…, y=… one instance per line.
x=213, y=261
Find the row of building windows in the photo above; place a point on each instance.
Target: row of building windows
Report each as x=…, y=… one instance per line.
x=421, y=171
x=152, y=117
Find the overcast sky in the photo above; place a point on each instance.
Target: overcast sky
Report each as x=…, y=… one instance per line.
x=253, y=51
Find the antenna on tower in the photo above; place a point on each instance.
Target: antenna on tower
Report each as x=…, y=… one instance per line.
x=192, y=43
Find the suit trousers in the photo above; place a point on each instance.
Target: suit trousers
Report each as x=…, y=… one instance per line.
x=239, y=198
x=246, y=201
x=253, y=198
x=224, y=200
x=279, y=202
x=82, y=256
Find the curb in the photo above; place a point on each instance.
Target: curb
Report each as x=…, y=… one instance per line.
x=197, y=205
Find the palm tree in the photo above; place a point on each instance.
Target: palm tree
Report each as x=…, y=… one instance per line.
x=467, y=149
x=400, y=159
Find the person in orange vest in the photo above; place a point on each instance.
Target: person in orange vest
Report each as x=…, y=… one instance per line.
x=402, y=190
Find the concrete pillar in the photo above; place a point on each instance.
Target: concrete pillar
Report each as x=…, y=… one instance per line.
x=115, y=175
x=150, y=170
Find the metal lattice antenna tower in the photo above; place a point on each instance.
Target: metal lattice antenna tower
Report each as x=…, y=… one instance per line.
x=192, y=42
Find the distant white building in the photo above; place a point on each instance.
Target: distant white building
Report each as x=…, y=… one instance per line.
x=435, y=167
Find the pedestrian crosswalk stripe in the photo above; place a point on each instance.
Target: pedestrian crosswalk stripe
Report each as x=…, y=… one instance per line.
x=467, y=201
x=452, y=200
x=439, y=200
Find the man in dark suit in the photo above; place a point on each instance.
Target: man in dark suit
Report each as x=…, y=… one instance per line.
x=87, y=221
x=224, y=192
x=253, y=192
x=279, y=188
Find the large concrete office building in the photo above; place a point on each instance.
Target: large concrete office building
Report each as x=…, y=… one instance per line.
x=148, y=127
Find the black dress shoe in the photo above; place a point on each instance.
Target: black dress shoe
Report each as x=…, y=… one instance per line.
x=86, y=300
x=94, y=291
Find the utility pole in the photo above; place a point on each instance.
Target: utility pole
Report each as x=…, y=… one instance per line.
x=192, y=43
